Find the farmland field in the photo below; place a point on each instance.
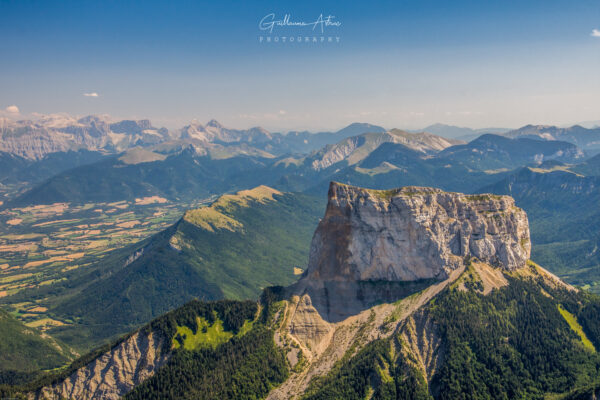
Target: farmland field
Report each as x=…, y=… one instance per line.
x=40, y=244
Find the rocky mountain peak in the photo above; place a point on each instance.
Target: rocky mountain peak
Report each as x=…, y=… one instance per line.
x=214, y=123
x=375, y=246
x=95, y=119
x=414, y=233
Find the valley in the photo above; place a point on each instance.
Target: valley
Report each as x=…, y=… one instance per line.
x=40, y=245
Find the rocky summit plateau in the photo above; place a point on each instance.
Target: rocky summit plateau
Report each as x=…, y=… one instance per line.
x=414, y=233
x=372, y=245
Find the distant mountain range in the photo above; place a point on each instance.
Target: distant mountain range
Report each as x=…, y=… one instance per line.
x=214, y=132
x=23, y=172
x=35, y=139
x=587, y=139
x=492, y=151
x=305, y=142
x=187, y=169
x=357, y=148
x=460, y=133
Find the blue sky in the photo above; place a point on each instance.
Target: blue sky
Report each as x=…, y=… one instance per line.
x=400, y=64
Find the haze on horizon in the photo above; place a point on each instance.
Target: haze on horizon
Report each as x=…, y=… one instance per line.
x=398, y=64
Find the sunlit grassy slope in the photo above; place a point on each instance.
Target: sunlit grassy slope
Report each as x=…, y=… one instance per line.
x=233, y=249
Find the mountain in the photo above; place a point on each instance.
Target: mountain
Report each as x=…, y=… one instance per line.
x=397, y=158
x=590, y=167
x=275, y=143
x=355, y=149
x=590, y=124
x=565, y=219
x=227, y=340
x=358, y=128
x=26, y=350
x=33, y=139
x=185, y=175
x=21, y=173
x=306, y=142
x=489, y=152
x=377, y=161
x=460, y=133
x=214, y=132
x=394, y=164
x=232, y=249
x=384, y=160
x=448, y=307
x=587, y=139
x=186, y=170
x=412, y=234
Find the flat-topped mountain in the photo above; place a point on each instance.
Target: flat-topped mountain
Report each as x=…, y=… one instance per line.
x=371, y=243
x=412, y=293
x=414, y=233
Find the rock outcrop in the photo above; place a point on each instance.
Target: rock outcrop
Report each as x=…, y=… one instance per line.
x=378, y=257
x=414, y=233
x=114, y=373
x=375, y=246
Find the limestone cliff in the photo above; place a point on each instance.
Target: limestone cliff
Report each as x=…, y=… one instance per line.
x=414, y=233
x=378, y=257
x=371, y=244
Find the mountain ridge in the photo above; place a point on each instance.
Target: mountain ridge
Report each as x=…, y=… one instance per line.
x=223, y=250
x=517, y=331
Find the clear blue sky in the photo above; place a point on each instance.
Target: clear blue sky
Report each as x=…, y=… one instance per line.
x=398, y=63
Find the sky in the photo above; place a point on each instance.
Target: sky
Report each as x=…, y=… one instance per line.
x=404, y=64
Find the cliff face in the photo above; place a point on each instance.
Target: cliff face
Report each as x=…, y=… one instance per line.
x=114, y=373
x=376, y=246
x=414, y=233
